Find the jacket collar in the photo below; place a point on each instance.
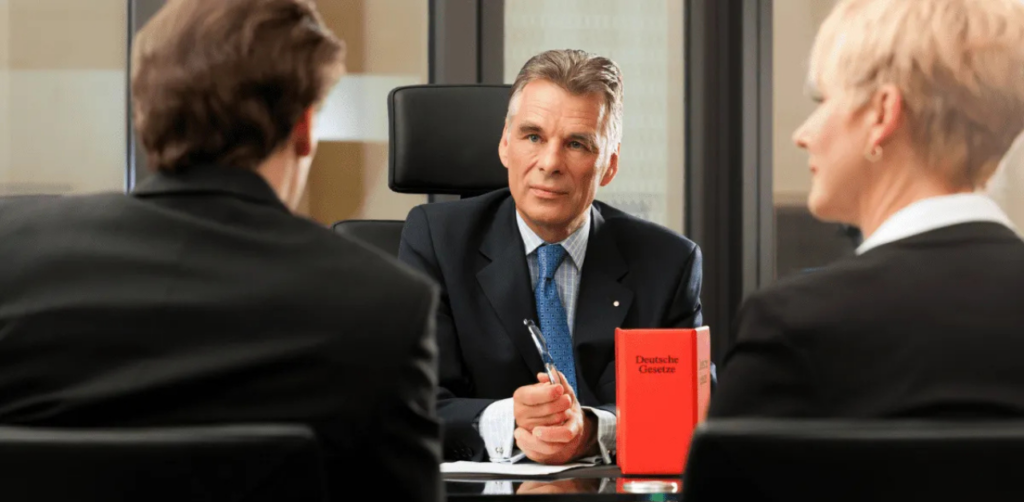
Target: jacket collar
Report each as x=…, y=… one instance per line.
x=211, y=179
x=934, y=213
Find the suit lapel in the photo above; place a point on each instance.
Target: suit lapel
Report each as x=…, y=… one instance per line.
x=506, y=282
x=603, y=300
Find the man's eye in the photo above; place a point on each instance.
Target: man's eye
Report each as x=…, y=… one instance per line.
x=576, y=145
x=534, y=138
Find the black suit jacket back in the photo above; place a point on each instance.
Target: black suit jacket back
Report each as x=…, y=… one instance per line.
x=635, y=275
x=931, y=325
x=200, y=299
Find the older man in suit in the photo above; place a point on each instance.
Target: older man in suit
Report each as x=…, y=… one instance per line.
x=545, y=250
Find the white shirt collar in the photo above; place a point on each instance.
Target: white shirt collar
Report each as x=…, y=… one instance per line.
x=575, y=244
x=934, y=213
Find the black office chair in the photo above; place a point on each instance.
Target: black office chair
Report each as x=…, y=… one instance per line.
x=253, y=463
x=384, y=235
x=443, y=139
x=877, y=461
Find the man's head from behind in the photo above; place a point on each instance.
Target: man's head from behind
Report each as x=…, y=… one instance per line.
x=234, y=83
x=561, y=138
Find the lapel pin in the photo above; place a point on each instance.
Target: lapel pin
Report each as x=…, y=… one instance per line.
x=615, y=303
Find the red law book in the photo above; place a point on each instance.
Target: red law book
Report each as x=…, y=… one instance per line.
x=662, y=389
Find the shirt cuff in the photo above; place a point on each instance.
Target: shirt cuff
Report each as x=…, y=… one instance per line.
x=606, y=423
x=497, y=427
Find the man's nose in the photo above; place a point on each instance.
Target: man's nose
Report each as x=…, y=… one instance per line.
x=550, y=160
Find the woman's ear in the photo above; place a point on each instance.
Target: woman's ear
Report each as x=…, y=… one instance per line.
x=885, y=114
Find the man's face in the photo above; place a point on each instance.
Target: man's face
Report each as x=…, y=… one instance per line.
x=557, y=155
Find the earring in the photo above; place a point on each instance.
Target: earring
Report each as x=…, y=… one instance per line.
x=875, y=154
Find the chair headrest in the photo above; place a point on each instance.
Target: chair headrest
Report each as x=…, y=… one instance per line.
x=444, y=138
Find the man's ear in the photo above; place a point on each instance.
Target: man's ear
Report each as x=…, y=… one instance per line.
x=503, y=146
x=302, y=134
x=885, y=114
x=613, y=167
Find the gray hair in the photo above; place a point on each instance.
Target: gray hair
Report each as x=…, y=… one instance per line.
x=579, y=73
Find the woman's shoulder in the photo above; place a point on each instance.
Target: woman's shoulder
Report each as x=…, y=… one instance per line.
x=845, y=291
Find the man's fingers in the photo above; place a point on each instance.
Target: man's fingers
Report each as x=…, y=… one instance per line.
x=559, y=405
x=541, y=404
x=563, y=433
x=537, y=394
x=552, y=419
x=532, y=445
x=565, y=386
x=557, y=434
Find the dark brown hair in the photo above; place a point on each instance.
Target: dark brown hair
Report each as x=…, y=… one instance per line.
x=225, y=81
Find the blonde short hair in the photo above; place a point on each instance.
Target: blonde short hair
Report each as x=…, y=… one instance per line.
x=959, y=65
x=579, y=73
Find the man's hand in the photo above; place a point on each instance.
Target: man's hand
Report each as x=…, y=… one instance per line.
x=550, y=425
x=541, y=404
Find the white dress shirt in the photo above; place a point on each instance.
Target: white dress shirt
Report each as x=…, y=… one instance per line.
x=497, y=422
x=934, y=213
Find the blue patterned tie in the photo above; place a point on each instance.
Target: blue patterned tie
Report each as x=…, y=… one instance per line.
x=553, y=319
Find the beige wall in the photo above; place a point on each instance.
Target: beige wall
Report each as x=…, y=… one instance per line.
x=62, y=95
x=1007, y=186
x=67, y=34
x=386, y=46
x=5, y=95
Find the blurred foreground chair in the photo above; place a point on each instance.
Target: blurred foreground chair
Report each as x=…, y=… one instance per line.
x=877, y=461
x=238, y=463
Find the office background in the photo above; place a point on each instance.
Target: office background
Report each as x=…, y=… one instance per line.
x=714, y=89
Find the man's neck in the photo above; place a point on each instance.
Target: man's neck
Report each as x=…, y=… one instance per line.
x=280, y=175
x=554, y=233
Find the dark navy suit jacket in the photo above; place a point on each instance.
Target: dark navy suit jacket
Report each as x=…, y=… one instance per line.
x=474, y=250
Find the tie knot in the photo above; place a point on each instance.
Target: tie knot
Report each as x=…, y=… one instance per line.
x=549, y=257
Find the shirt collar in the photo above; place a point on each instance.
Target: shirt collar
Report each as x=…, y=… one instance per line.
x=934, y=213
x=575, y=244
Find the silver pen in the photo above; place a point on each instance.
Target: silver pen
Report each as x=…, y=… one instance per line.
x=542, y=348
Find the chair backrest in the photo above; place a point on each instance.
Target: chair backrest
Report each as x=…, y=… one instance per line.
x=251, y=463
x=381, y=234
x=790, y=460
x=443, y=139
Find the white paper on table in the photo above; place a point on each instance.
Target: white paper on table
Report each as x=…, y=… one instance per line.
x=517, y=469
